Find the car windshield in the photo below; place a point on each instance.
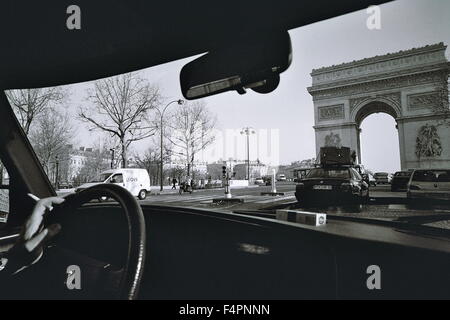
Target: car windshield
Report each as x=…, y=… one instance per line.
x=402, y=174
x=101, y=177
x=358, y=98
x=329, y=173
x=432, y=176
x=381, y=174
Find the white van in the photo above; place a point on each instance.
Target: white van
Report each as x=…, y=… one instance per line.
x=136, y=181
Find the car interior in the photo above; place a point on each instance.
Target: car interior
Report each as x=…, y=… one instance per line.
x=157, y=252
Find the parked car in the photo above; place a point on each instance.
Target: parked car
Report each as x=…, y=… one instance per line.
x=400, y=181
x=333, y=184
x=65, y=185
x=136, y=181
x=267, y=180
x=429, y=184
x=372, y=180
x=259, y=181
x=281, y=177
x=382, y=177
x=214, y=184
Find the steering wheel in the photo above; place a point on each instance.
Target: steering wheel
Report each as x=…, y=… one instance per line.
x=131, y=274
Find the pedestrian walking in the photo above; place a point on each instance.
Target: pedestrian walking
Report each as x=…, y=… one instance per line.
x=174, y=183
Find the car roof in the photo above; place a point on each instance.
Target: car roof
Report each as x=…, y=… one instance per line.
x=123, y=36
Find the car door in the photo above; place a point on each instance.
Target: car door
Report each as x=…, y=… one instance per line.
x=443, y=183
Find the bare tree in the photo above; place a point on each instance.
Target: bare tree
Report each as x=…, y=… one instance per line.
x=192, y=132
x=112, y=146
x=96, y=161
x=151, y=160
x=51, y=139
x=122, y=108
x=176, y=172
x=29, y=104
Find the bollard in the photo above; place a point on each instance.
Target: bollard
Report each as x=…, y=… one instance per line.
x=274, y=187
x=273, y=191
x=227, y=187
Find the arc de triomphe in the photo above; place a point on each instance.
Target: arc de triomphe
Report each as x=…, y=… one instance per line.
x=411, y=86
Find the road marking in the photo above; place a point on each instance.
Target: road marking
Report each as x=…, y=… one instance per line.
x=276, y=199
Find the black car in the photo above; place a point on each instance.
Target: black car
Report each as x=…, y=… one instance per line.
x=267, y=180
x=400, y=181
x=333, y=185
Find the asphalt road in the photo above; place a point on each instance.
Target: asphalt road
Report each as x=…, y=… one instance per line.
x=202, y=198
x=384, y=204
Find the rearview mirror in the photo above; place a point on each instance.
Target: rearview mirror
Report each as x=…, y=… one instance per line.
x=251, y=62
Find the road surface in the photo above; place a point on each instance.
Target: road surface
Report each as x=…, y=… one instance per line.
x=384, y=204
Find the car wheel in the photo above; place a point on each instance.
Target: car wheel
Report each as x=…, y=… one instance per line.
x=142, y=194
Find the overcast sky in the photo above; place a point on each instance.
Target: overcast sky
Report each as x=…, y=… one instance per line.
x=404, y=24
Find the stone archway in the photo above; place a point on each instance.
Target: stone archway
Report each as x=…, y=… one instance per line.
x=408, y=85
x=372, y=106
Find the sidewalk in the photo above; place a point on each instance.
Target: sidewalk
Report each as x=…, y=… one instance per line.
x=154, y=190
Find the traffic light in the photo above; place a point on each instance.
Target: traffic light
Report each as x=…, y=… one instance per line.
x=224, y=172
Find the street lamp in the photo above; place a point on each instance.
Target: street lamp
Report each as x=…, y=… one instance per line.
x=248, y=131
x=57, y=173
x=161, y=114
x=112, y=157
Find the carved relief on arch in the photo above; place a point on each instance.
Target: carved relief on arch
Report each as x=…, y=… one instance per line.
x=333, y=140
x=428, y=142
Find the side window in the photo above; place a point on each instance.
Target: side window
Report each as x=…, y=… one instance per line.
x=4, y=194
x=444, y=176
x=117, y=178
